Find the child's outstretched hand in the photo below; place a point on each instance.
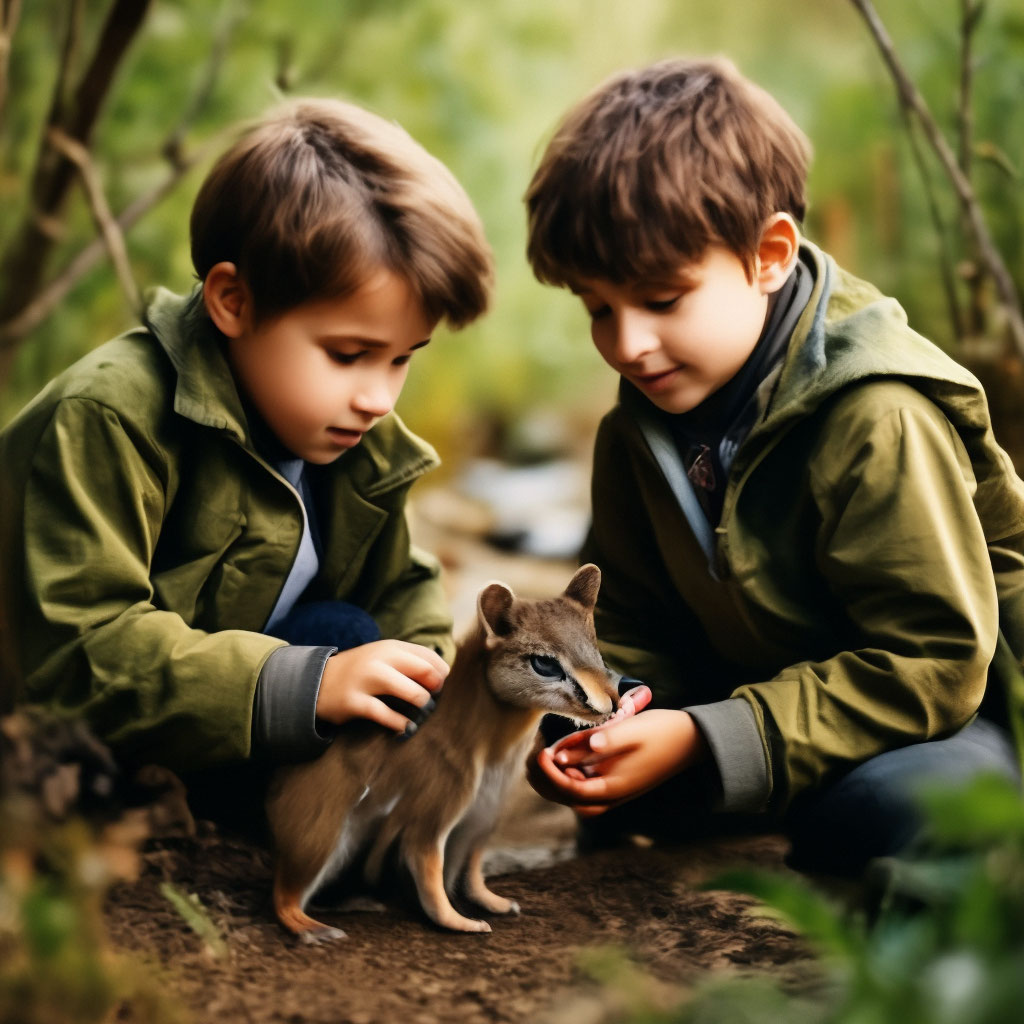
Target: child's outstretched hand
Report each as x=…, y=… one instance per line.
x=595, y=769
x=355, y=681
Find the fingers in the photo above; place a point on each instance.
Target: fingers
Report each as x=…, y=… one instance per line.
x=362, y=681
x=425, y=666
x=590, y=746
x=377, y=711
x=632, y=702
x=576, y=788
x=389, y=681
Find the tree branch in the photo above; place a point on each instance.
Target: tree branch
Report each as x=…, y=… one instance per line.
x=26, y=254
x=10, y=10
x=988, y=253
x=109, y=230
x=172, y=147
x=46, y=300
x=946, y=261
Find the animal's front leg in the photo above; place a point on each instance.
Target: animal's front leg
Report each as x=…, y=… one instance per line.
x=427, y=866
x=476, y=887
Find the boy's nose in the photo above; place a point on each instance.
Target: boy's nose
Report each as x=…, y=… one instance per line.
x=373, y=399
x=633, y=339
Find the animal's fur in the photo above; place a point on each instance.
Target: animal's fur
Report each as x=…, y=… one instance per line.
x=436, y=797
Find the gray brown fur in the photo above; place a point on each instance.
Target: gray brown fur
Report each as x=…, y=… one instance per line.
x=436, y=797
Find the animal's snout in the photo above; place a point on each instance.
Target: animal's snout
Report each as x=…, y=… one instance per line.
x=599, y=691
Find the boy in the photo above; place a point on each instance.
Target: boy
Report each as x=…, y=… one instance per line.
x=233, y=469
x=810, y=540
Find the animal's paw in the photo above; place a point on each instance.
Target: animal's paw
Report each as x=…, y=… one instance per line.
x=324, y=933
x=466, y=924
x=495, y=904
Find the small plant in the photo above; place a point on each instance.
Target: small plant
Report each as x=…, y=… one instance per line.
x=943, y=942
x=56, y=964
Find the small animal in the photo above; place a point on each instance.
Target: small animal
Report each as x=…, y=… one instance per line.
x=433, y=800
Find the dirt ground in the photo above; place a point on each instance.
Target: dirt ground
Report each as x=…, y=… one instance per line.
x=396, y=966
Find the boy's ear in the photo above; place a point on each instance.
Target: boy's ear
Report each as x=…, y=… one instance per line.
x=777, y=252
x=226, y=298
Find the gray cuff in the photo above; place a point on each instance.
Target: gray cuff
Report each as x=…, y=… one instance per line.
x=284, y=726
x=730, y=728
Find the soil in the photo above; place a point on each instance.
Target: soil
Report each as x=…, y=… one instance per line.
x=394, y=965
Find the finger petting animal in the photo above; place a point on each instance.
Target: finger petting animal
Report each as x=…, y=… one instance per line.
x=432, y=801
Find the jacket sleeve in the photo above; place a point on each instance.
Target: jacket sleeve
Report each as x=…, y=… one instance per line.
x=901, y=547
x=153, y=688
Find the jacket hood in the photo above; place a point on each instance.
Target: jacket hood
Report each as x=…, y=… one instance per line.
x=850, y=332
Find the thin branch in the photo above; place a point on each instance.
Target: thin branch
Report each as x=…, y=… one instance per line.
x=975, y=275
x=946, y=261
x=74, y=111
x=43, y=303
x=109, y=230
x=970, y=11
x=989, y=254
x=10, y=11
x=172, y=147
x=47, y=300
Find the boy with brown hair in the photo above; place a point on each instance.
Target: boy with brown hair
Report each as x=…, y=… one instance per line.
x=231, y=476
x=810, y=540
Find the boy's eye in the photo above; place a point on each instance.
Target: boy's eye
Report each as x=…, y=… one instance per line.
x=599, y=313
x=546, y=666
x=401, y=360
x=345, y=358
x=662, y=305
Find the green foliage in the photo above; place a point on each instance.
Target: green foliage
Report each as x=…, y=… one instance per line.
x=197, y=917
x=482, y=86
x=944, y=944
x=56, y=965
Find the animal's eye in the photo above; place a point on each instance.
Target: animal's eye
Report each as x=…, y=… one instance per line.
x=546, y=666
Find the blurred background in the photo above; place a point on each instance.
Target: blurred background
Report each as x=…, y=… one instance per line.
x=482, y=86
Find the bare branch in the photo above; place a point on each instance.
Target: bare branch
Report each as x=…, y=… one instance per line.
x=989, y=254
x=113, y=239
x=970, y=11
x=32, y=313
x=172, y=148
x=73, y=111
x=946, y=260
x=44, y=303
x=10, y=11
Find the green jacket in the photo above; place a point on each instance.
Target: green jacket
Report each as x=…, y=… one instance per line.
x=869, y=557
x=144, y=542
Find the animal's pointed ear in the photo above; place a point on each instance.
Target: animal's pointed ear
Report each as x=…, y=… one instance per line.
x=492, y=606
x=583, y=587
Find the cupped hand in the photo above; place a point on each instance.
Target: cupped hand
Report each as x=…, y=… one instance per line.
x=355, y=680
x=599, y=768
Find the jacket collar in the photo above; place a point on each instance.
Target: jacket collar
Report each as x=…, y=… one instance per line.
x=205, y=392
x=849, y=332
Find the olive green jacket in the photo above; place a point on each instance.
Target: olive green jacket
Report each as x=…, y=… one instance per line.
x=869, y=557
x=144, y=542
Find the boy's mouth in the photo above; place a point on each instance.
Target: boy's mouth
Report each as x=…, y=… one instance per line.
x=655, y=382
x=344, y=437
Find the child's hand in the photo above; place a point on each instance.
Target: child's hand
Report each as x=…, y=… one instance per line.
x=355, y=680
x=599, y=768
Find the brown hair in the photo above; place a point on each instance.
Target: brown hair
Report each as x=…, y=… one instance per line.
x=318, y=194
x=656, y=164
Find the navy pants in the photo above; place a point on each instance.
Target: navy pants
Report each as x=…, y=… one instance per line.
x=872, y=811
x=326, y=624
